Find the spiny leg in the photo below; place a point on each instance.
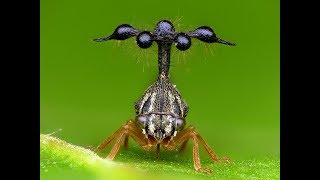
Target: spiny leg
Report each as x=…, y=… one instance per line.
x=109, y=139
x=129, y=129
x=211, y=153
x=116, y=147
x=190, y=133
x=183, y=146
x=129, y=125
x=126, y=139
x=183, y=136
x=190, y=130
x=196, y=156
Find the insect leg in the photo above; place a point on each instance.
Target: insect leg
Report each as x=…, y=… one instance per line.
x=211, y=153
x=116, y=147
x=126, y=139
x=183, y=146
x=184, y=136
x=129, y=129
x=196, y=157
x=109, y=139
x=189, y=133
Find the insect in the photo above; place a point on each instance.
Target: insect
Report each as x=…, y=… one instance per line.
x=161, y=112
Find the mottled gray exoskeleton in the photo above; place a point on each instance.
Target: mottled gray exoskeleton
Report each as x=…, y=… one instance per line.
x=161, y=111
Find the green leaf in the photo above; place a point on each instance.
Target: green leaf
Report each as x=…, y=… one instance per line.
x=61, y=160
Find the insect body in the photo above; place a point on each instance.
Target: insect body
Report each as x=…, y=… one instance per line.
x=161, y=111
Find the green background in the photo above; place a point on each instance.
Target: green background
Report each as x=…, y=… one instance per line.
x=88, y=89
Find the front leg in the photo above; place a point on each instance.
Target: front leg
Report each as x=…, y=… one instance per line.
x=129, y=129
x=190, y=133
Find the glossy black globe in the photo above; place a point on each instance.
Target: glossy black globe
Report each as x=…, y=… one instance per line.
x=164, y=31
x=205, y=34
x=183, y=41
x=144, y=39
x=123, y=32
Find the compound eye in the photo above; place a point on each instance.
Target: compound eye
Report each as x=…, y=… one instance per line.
x=141, y=120
x=144, y=39
x=181, y=122
x=183, y=41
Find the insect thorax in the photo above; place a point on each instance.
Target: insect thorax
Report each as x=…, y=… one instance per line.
x=161, y=110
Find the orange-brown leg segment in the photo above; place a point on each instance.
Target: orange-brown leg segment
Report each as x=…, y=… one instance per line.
x=190, y=133
x=126, y=140
x=211, y=153
x=183, y=146
x=129, y=129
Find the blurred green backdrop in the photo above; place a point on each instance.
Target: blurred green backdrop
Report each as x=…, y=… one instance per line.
x=88, y=89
